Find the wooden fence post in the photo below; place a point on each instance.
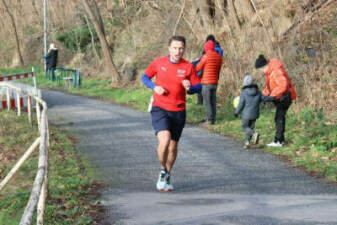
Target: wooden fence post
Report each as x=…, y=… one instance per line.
x=44, y=191
x=26, y=219
x=38, y=115
x=47, y=125
x=29, y=106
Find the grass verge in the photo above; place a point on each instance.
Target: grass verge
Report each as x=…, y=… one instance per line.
x=72, y=190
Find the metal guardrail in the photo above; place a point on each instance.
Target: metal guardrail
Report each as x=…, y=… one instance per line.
x=39, y=191
x=71, y=77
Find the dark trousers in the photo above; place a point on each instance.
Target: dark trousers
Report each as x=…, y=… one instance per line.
x=209, y=97
x=200, y=100
x=52, y=71
x=282, y=106
x=248, y=127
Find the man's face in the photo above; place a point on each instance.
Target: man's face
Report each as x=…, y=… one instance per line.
x=176, y=50
x=264, y=69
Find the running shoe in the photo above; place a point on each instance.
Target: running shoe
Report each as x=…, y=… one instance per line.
x=161, y=183
x=275, y=144
x=169, y=186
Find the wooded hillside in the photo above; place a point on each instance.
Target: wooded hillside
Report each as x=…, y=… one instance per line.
x=116, y=39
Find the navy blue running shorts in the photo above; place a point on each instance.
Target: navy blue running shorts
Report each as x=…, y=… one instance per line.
x=168, y=120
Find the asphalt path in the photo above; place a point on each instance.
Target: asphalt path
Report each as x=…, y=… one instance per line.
x=216, y=181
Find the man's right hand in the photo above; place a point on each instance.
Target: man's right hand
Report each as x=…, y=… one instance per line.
x=159, y=90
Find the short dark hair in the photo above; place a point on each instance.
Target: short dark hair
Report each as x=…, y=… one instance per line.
x=177, y=38
x=210, y=37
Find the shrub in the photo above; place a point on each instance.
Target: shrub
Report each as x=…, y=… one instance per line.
x=76, y=39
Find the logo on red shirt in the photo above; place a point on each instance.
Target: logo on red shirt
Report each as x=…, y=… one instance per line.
x=181, y=73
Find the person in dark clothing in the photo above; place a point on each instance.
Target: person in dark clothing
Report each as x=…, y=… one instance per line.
x=279, y=85
x=210, y=63
x=51, y=60
x=249, y=107
x=218, y=49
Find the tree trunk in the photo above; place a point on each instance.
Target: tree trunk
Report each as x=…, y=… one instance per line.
x=35, y=9
x=220, y=9
x=99, y=27
x=233, y=14
x=205, y=15
x=18, y=49
x=179, y=18
x=92, y=38
x=246, y=8
x=192, y=19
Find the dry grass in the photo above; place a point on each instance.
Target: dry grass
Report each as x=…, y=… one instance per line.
x=308, y=52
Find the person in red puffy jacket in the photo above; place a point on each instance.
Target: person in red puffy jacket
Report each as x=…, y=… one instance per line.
x=210, y=63
x=278, y=85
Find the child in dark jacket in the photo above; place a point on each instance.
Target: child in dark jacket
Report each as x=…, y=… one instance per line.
x=249, y=105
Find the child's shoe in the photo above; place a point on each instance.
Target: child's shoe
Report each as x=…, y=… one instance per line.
x=255, y=138
x=246, y=146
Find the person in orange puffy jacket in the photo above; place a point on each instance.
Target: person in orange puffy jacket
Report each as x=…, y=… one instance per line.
x=278, y=85
x=210, y=63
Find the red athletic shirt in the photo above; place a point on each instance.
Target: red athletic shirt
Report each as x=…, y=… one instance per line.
x=170, y=76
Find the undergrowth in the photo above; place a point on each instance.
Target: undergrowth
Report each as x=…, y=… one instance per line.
x=72, y=190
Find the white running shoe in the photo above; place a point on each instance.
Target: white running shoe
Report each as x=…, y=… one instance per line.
x=169, y=186
x=161, y=183
x=247, y=145
x=275, y=144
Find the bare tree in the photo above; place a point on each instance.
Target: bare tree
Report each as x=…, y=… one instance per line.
x=233, y=14
x=17, y=41
x=245, y=10
x=96, y=19
x=92, y=38
x=35, y=8
x=205, y=15
x=220, y=9
x=179, y=18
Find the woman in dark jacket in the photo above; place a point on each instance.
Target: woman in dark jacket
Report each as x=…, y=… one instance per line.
x=51, y=60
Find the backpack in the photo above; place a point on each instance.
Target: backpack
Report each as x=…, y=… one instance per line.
x=292, y=90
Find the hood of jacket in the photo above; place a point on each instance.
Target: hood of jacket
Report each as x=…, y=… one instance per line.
x=251, y=90
x=209, y=46
x=274, y=64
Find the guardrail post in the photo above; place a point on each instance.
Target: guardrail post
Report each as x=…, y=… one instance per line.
x=29, y=106
x=18, y=105
x=8, y=99
x=34, y=77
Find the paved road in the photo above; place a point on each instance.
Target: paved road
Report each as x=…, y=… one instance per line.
x=216, y=180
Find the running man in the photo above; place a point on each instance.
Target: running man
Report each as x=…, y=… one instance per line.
x=174, y=76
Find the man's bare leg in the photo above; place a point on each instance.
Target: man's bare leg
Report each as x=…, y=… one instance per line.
x=172, y=155
x=164, y=137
